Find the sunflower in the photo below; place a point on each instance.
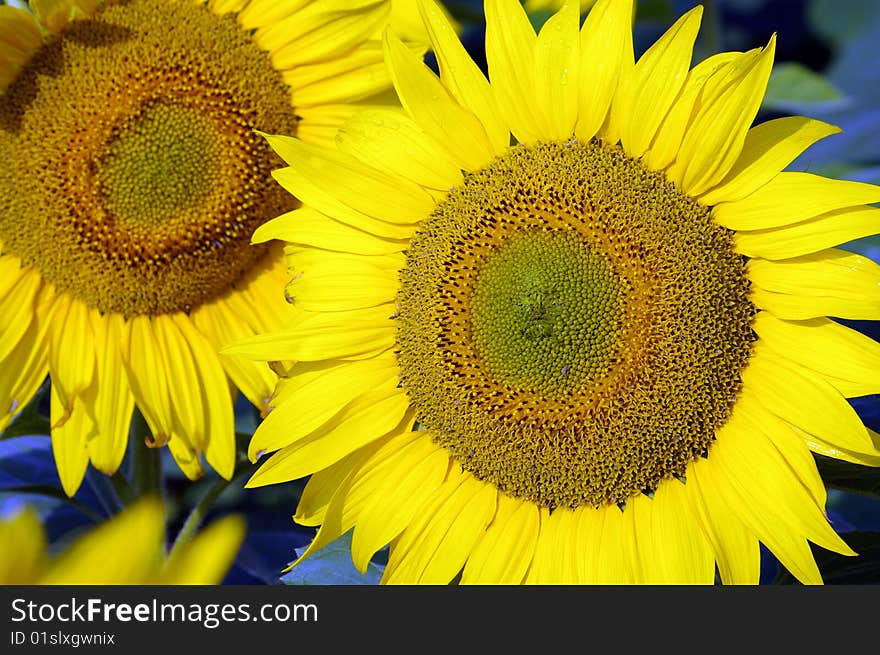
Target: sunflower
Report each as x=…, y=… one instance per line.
x=94, y=558
x=598, y=351
x=132, y=184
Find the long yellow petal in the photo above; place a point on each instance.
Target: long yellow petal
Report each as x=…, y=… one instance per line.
x=810, y=236
x=461, y=76
x=392, y=142
x=18, y=297
x=848, y=360
x=737, y=551
x=71, y=354
x=768, y=148
x=113, y=402
x=434, y=109
x=145, y=367
x=828, y=283
x=672, y=131
x=669, y=544
x=605, y=36
x=69, y=441
x=355, y=186
x=325, y=335
x=315, y=395
x=388, y=514
x=715, y=138
x=793, y=197
x=217, y=420
x=510, y=54
x=557, y=71
x=504, y=552
x=648, y=91
x=449, y=535
x=365, y=420
x=806, y=400
x=321, y=31
x=309, y=227
x=402, y=548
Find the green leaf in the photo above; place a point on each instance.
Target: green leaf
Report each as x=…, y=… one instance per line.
x=854, y=478
x=840, y=569
x=793, y=86
x=332, y=565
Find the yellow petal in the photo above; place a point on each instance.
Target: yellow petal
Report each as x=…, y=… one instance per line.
x=320, y=336
x=407, y=482
x=793, y=197
x=443, y=545
x=510, y=54
x=368, y=418
x=759, y=483
x=671, y=133
x=95, y=558
x=848, y=360
x=669, y=544
x=806, y=400
x=393, y=143
x=315, y=395
x=321, y=31
x=768, y=148
x=557, y=71
x=145, y=367
x=810, y=236
x=434, y=109
x=737, y=551
x=461, y=76
x=504, y=552
x=113, y=401
x=648, y=90
x=19, y=291
x=217, y=420
x=606, y=39
x=71, y=355
x=828, y=283
x=355, y=187
x=22, y=563
x=306, y=226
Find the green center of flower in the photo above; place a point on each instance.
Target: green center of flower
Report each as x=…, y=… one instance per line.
x=164, y=160
x=545, y=311
x=134, y=175
x=571, y=327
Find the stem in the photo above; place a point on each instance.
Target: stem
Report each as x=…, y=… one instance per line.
x=146, y=462
x=198, y=513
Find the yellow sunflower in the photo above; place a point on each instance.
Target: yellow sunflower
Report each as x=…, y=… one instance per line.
x=133, y=179
x=127, y=549
x=596, y=352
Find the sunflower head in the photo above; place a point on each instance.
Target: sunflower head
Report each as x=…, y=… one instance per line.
x=571, y=323
x=134, y=178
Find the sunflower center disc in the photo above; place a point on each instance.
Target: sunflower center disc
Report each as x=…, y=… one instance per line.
x=571, y=327
x=133, y=176
x=545, y=311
